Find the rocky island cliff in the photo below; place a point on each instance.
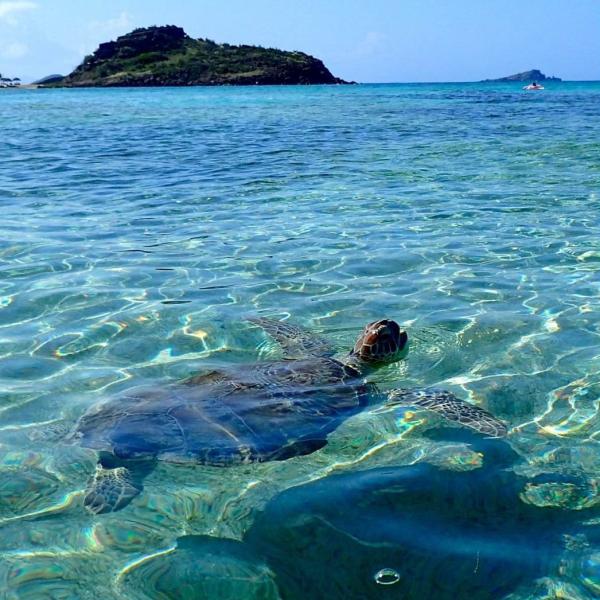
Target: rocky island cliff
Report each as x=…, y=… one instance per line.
x=533, y=75
x=167, y=56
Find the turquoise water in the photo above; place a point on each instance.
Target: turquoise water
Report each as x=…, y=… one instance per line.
x=141, y=228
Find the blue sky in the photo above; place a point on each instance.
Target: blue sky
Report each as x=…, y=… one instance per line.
x=369, y=41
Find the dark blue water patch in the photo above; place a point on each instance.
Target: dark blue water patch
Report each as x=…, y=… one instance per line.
x=446, y=534
x=28, y=367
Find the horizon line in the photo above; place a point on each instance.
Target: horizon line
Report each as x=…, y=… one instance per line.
x=350, y=83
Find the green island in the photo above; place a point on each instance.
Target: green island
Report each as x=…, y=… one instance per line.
x=167, y=56
x=533, y=75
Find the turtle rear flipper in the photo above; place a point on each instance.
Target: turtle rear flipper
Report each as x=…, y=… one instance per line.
x=115, y=483
x=452, y=408
x=294, y=341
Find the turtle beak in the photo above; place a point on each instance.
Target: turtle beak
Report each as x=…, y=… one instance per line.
x=402, y=340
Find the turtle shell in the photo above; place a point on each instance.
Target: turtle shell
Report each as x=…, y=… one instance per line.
x=269, y=411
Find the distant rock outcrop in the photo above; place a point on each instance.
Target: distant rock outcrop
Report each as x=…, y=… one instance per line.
x=167, y=56
x=533, y=75
x=49, y=79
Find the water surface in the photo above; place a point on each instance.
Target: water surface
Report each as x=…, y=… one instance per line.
x=140, y=229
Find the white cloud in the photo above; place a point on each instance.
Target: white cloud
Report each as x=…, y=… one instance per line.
x=371, y=44
x=113, y=27
x=14, y=50
x=9, y=9
x=103, y=31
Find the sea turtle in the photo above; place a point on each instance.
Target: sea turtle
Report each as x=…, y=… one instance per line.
x=252, y=413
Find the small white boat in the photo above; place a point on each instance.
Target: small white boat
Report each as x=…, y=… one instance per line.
x=533, y=86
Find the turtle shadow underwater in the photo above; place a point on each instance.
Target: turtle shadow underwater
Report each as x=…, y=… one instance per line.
x=447, y=534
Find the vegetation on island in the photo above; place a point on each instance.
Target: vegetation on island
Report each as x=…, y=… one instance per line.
x=167, y=56
x=533, y=75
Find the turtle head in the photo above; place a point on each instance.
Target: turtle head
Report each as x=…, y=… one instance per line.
x=381, y=342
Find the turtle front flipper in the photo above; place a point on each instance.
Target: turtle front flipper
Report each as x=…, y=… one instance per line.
x=115, y=483
x=452, y=408
x=294, y=341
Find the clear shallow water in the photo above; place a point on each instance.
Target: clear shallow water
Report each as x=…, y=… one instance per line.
x=141, y=228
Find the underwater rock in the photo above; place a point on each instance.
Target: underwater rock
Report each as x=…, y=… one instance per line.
x=201, y=568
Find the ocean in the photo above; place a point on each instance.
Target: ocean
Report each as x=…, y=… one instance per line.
x=142, y=228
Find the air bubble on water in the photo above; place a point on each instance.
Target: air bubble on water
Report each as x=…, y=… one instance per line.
x=387, y=577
